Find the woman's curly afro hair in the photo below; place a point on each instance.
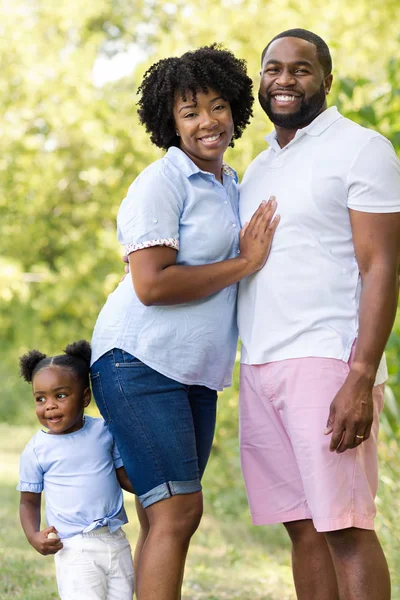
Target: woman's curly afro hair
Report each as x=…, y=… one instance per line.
x=76, y=358
x=195, y=71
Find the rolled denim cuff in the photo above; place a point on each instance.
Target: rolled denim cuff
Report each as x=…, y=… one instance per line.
x=169, y=489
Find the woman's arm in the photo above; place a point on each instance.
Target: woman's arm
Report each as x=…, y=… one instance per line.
x=157, y=278
x=123, y=480
x=29, y=512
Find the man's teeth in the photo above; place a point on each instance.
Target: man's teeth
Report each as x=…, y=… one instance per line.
x=282, y=98
x=211, y=138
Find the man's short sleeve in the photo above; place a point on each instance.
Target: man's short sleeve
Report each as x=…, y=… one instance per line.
x=150, y=214
x=30, y=471
x=374, y=179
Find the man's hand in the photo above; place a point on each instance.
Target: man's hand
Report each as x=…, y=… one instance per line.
x=351, y=414
x=44, y=544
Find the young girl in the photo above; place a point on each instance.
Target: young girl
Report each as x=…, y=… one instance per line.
x=76, y=462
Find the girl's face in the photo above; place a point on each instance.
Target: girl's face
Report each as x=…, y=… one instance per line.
x=60, y=399
x=205, y=128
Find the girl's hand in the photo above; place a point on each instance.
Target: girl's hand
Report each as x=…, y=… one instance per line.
x=256, y=236
x=44, y=544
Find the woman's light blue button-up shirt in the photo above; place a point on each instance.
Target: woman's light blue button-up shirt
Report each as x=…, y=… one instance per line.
x=172, y=202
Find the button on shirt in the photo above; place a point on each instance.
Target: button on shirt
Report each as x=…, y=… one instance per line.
x=304, y=302
x=76, y=471
x=173, y=203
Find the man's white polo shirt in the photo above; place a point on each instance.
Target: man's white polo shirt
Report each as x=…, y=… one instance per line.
x=304, y=302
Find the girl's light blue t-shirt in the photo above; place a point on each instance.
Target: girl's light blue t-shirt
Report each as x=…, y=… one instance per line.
x=173, y=203
x=76, y=472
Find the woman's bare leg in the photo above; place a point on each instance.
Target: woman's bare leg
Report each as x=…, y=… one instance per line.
x=162, y=558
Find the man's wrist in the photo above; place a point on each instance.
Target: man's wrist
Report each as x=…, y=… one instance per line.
x=364, y=371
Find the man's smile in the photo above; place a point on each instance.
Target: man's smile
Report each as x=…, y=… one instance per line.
x=283, y=98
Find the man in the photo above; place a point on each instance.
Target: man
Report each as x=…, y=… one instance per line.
x=314, y=323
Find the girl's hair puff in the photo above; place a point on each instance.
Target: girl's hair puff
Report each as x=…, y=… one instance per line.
x=28, y=363
x=81, y=350
x=195, y=71
x=76, y=358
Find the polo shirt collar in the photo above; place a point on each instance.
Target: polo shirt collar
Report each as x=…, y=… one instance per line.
x=315, y=128
x=323, y=121
x=188, y=167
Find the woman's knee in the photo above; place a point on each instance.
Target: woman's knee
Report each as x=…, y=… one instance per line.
x=178, y=516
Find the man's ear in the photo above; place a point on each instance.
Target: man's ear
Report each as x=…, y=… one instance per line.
x=328, y=83
x=87, y=396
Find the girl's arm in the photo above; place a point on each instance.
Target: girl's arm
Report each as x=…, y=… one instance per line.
x=123, y=480
x=29, y=512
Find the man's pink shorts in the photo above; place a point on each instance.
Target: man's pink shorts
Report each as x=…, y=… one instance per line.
x=289, y=472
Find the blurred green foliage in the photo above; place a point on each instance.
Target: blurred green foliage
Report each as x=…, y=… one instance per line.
x=70, y=147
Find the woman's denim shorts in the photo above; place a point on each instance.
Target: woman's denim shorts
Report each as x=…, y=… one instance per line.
x=164, y=429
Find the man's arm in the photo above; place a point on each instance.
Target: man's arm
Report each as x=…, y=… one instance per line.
x=376, y=240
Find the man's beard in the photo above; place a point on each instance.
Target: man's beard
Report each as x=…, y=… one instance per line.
x=309, y=109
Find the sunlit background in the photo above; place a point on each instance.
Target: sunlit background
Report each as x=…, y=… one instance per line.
x=70, y=145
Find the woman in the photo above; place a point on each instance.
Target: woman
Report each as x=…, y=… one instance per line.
x=163, y=346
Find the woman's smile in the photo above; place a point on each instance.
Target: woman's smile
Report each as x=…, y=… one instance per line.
x=211, y=140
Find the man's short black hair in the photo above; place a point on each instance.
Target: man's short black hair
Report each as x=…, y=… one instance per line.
x=195, y=71
x=323, y=53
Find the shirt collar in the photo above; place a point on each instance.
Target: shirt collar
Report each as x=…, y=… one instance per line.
x=315, y=128
x=188, y=168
